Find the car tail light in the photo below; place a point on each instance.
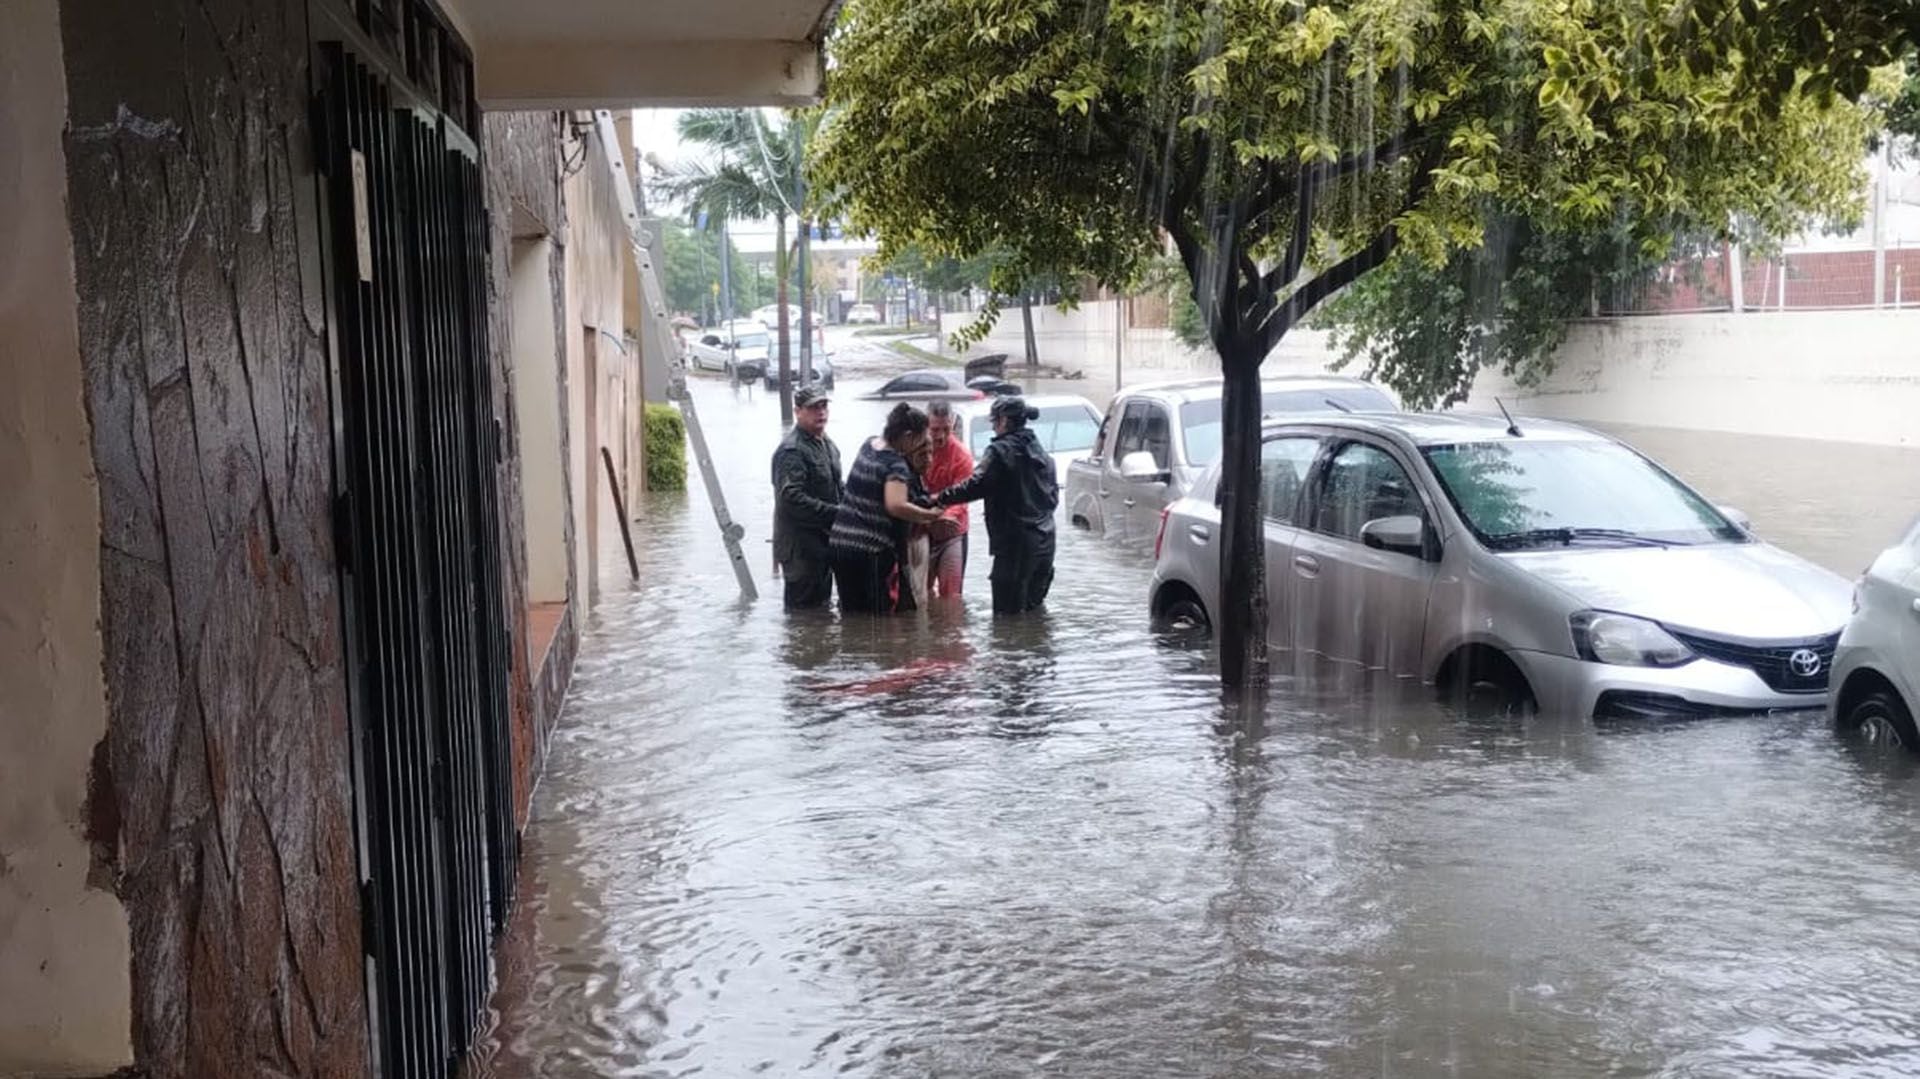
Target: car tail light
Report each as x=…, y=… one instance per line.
x=1160, y=537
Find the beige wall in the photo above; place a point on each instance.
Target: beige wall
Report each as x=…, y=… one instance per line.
x=64, y=950
x=596, y=292
x=536, y=376
x=1848, y=376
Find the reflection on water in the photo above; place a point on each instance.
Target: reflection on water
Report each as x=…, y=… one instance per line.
x=955, y=846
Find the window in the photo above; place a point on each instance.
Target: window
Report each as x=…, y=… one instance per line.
x=917, y=382
x=1158, y=437
x=1200, y=420
x=979, y=433
x=1363, y=483
x=1065, y=428
x=1131, y=438
x=1100, y=440
x=1283, y=474
x=1523, y=491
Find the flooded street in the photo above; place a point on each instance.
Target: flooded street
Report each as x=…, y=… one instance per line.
x=1049, y=849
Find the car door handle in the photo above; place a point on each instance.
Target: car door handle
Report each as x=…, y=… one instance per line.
x=1200, y=533
x=1307, y=565
x=1104, y=493
x=1127, y=502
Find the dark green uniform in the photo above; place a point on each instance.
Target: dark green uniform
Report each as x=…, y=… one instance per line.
x=806, y=495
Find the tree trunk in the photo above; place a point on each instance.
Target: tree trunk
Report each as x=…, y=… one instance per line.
x=1026, y=323
x=780, y=289
x=1242, y=618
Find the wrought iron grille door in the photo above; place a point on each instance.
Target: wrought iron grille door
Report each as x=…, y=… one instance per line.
x=419, y=540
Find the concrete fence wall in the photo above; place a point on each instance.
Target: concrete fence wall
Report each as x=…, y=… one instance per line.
x=1851, y=376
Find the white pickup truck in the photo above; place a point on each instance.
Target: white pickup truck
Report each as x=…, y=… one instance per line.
x=1158, y=438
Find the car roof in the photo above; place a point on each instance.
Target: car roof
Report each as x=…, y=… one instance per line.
x=744, y=324
x=1037, y=400
x=1444, y=428
x=1183, y=390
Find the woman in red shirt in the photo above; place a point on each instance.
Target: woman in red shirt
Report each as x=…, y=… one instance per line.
x=951, y=463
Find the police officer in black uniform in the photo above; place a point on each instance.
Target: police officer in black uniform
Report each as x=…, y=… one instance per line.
x=806, y=489
x=1015, y=475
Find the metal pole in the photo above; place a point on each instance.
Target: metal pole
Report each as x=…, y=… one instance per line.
x=726, y=278
x=1119, y=339
x=1736, y=277
x=1881, y=172
x=1783, y=281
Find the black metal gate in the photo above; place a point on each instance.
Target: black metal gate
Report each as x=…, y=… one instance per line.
x=415, y=450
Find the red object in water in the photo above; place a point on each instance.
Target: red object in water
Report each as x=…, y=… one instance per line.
x=899, y=678
x=1160, y=537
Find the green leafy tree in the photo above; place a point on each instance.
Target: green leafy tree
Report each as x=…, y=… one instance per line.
x=691, y=278
x=1289, y=147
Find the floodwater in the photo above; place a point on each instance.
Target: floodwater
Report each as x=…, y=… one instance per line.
x=1051, y=850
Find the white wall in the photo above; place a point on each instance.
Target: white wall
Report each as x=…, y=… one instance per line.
x=536, y=398
x=1851, y=376
x=1083, y=339
x=65, y=960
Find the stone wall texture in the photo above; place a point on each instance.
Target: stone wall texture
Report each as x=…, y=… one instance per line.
x=221, y=804
x=522, y=154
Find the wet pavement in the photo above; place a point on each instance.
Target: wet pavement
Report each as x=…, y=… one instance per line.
x=1049, y=849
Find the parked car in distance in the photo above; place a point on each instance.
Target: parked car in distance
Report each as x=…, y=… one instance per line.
x=927, y=385
x=1066, y=428
x=863, y=314
x=1157, y=439
x=769, y=316
x=1876, y=671
x=1553, y=567
x=739, y=348
x=822, y=372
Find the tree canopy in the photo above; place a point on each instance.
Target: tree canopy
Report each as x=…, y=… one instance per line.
x=1288, y=147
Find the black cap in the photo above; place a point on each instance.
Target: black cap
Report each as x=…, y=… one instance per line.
x=808, y=396
x=1013, y=407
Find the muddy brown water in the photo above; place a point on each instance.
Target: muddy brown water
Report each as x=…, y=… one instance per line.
x=1053, y=851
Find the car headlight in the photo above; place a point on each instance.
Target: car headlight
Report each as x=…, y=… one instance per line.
x=1601, y=637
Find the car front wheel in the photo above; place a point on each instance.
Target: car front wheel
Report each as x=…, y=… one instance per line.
x=1881, y=718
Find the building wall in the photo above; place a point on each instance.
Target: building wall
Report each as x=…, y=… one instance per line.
x=523, y=196
x=221, y=796
x=64, y=949
x=1848, y=376
x=597, y=353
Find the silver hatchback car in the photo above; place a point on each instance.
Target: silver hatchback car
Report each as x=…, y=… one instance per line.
x=1541, y=562
x=1876, y=673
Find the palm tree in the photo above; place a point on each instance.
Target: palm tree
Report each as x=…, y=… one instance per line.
x=754, y=171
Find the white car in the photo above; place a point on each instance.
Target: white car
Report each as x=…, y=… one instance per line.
x=740, y=348
x=1524, y=565
x=1876, y=671
x=863, y=314
x=1066, y=428
x=770, y=315
x=1158, y=437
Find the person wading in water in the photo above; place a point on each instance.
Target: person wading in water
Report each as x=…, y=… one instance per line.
x=1016, y=478
x=950, y=463
x=876, y=512
x=806, y=487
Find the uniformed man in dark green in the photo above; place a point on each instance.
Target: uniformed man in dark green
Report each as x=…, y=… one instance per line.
x=806, y=494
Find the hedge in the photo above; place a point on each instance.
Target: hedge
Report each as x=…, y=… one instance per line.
x=666, y=436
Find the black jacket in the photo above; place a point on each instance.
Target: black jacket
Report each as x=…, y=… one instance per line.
x=806, y=495
x=1016, y=478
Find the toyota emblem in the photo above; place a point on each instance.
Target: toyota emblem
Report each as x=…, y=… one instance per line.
x=1805, y=662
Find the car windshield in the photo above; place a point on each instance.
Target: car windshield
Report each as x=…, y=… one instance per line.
x=1200, y=420
x=1060, y=428
x=752, y=340
x=1519, y=493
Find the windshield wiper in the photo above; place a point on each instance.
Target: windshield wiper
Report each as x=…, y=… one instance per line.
x=1567, y=537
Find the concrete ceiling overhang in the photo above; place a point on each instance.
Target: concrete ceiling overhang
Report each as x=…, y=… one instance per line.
x=578, y=54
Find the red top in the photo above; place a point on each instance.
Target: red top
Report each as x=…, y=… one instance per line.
x=948, y=467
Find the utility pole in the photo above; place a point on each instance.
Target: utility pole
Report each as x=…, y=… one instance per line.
x=1882, y=173
x=726, y=284
x=806, y=251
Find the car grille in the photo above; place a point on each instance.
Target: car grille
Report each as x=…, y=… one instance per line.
x=1771, y=660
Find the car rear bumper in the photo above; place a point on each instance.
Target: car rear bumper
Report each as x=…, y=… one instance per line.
x=1565, y=686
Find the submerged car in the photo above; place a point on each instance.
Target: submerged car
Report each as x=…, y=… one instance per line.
x=739, y=348
x=1876, y=672
x=822, y=373
x=928, y=385
x=1535, y=563
x=1158, y=438
x=1066, y=428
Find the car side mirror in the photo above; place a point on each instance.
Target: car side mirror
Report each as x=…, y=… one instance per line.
x=1405, y=534
x=1737, y=517
x=1140, y=465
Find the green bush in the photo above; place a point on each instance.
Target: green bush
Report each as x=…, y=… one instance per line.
x=666, y=435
